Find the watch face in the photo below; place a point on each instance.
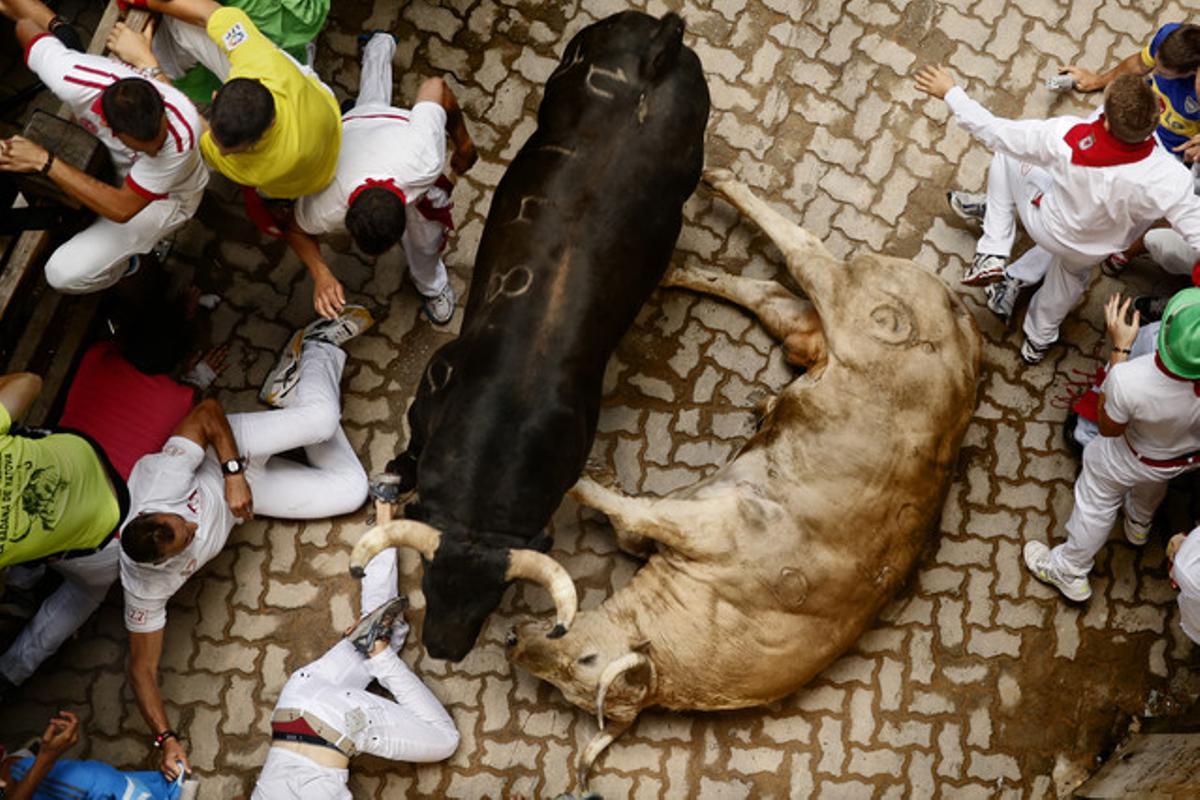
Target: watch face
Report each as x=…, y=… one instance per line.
x=232, y=467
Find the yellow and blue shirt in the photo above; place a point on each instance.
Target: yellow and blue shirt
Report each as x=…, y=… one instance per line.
x=1180, y=119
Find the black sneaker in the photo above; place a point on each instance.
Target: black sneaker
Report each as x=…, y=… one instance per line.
x=1149, y=307
x=377, y=625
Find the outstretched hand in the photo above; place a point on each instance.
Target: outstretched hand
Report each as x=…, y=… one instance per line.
x=1085, y=79
x=18, y=154
x=132, y=47
x=1120, y=332
x=934, y=79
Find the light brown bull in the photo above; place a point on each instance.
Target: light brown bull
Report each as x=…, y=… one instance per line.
x=761, y=575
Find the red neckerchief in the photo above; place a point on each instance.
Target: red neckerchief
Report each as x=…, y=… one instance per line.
x=1158, y=362
x=372, y=183
x=1093, y=145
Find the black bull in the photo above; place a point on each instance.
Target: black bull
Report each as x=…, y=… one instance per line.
x=580, y=232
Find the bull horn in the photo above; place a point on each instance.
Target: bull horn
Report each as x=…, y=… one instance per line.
x=615, y=669
x=540, y=568
x=397, y=533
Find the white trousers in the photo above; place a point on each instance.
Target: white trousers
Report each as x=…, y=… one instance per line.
x=1012, y=187
x=179, y=46
x=85, y=583
x=334, y=481
x=423, y=238
x=415, y=727
x=98, y=256
x=1112, y=477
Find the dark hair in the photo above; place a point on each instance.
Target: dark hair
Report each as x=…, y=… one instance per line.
x=1131, y=109
x=241, y=112
x=156, y=337
x=1180, y=49
x=142, y=539
x=133, y=107
x=376, y=220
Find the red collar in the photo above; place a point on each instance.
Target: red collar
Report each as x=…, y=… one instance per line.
x=1093, y=145
x=1158, y=362
x=372, y=183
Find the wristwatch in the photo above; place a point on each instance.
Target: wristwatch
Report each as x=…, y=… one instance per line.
x=234, y=466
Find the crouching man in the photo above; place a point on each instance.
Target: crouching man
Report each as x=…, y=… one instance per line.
x=217, y=470
x=153, y=133
x=325, y=715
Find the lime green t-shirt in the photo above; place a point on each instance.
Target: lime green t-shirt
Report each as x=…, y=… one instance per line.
x=298, y=154
x=54, y=495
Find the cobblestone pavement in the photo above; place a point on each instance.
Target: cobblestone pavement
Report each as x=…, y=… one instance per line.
x=976, y=682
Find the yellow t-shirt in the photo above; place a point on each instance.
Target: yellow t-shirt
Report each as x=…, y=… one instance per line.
x=298, y=154
x=54, y=495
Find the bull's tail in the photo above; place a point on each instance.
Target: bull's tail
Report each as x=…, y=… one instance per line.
x=664, y=48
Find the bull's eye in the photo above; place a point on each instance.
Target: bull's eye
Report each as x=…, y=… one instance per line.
x=893, y=323
x=588, y=660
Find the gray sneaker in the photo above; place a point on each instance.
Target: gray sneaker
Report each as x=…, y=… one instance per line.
x=286, y=374
x=1032, y=354
x=1002, y=296
x=969, y=206
x=440, y=307
x=1037, y=559
x=985, y=268
x=379, y=624
x=350, y=323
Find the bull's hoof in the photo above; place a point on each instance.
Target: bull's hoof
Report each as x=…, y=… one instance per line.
x=558, y=632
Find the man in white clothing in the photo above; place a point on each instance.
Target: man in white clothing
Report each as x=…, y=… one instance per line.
x=389, y=185
x=1082, y=190
x=152, y=131
x=325, y=715
x=1183, y=553
x=185, y=500
x=1149, y=419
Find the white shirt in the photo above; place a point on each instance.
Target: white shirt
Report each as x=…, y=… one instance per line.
x=1186, y=572
x=183, y=480
x=1163, y=413
x=379, y=142
x=78, y=79
x=1094, y=211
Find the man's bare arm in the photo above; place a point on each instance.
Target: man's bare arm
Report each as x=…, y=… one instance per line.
x=145, y=650
x=329, y=297
x=18, y=390
x=436, y=90
x=207, y=426
x=196, y=12
x=1088, y=81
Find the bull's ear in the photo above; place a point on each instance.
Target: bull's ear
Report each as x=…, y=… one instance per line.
x=664, y=47
x=642, y=646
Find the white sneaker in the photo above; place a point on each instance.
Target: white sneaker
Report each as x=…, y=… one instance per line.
x=1002, y=296
x=985, y=268
x=969, y=206
x=284, y=376
x=440, y=307
x=1037, y=559
x=350, y=323
x=1032, y=354
x=1136, y=533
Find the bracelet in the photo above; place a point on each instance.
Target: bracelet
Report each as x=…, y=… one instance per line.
x=49, y=163
x=161, y=738
x=151, y=72
x=1124, y=350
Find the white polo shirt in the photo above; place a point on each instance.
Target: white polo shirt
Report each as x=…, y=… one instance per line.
x=379, y=143
x=1186, y=573
x=181, y=479
x=1163, y=413
x=78, y=79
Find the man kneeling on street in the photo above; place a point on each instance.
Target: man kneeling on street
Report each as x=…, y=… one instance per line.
x=218, y=470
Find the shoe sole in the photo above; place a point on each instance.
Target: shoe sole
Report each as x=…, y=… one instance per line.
x=363, y=628
x=984, y=277
x=283, y=371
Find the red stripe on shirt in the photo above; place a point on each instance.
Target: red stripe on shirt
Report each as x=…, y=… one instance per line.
x=73, y=79
x=29, y=45
x=184, y=122
x=175, y=135
x=95, y=71
x=142, y=191
x=349, y=118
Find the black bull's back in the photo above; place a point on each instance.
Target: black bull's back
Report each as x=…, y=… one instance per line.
x=580, y=232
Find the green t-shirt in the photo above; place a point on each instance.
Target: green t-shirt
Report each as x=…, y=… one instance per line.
x=54, y=495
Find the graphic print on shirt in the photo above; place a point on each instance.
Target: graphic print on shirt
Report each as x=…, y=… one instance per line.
x=29, y=496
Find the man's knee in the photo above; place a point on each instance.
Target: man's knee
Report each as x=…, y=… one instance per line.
x=350, y=488
x=69, y=273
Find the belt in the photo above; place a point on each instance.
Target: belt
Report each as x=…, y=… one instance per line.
x=294, y=725
x=1165, y=463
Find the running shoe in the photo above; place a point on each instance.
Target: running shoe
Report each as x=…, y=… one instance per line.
x=379, y=624
x=1002, y=296
x=1037, y=559
x=969, y=206
x=440, y=307
x=985, y=269
x=1032, y=354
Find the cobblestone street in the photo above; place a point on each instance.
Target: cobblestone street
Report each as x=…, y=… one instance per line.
x=977, y=682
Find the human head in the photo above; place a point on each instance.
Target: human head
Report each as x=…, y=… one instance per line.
x=133, y=109
x=376, y=220
x=1131, y=109
x=155, y=337
x=1179, y=337
x=1179, y=52
x=151, y=538
x=242, y=111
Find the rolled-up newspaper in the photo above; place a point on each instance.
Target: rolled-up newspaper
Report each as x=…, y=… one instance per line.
x=1060, y=83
